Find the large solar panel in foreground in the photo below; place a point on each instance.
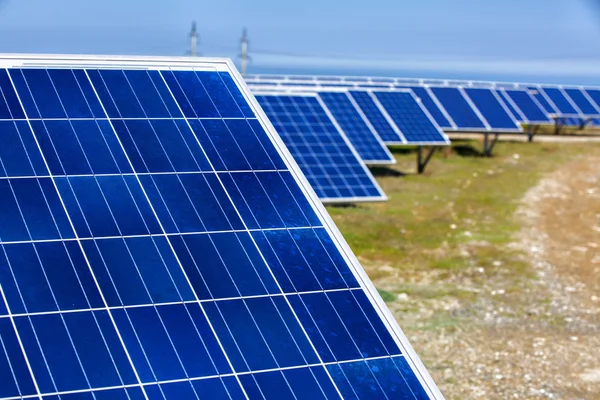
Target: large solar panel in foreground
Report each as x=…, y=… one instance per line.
x=363, y=137
x=158, y=242
x=327, y=158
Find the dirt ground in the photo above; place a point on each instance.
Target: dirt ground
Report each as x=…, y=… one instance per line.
x=526, y=338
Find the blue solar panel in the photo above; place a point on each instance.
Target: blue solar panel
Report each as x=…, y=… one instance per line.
x=568, y=121
x=330, y=163
x=459, y=109
x=582, y=101
x=541, y=98
x=528, y=106
x=157, y=243
x=492, y=110
x=594, y=95
x=431, y=106
x=411, y=118
x=378, y=120
x=364, y=139
x=562, y=104
x=516, y=114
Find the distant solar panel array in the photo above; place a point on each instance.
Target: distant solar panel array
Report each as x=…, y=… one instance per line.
x=330, y=163
x=457, y=106
x=373, y=113
x=159, y=242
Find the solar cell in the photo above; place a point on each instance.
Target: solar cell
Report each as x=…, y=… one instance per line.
x=320, y=148
x=158, y=242
x=492, y=110
x=582, y=101
x=543, y=100
x=527, y=104
x=363, y=137
x=431, y=106
x=384, y=128
x=594, y=95
x=561, y=102
x=458, y=108
x=411, y=118
x=514, y=111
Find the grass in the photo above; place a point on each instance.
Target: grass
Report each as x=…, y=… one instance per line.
x=458, y=215
x=386, y=296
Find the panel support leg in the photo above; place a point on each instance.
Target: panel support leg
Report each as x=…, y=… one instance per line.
x=584, y=122
x=488, y=145
x=530, y=133
x=422, y=162
x=558, y=125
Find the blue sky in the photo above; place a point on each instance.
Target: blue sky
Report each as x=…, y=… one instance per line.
x=524, y=40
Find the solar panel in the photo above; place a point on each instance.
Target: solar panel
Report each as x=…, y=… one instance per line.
x=158, y=242
x=594, y=95
x=416, y=125
x=380, y=122
x=514, y=111
x=458, y=108
x=431, y=106
x=323, y=152
x=568, y=121
x=560, y=101
x=543, y=100
x=363, y=137
x=527, y=104
x=582, y=101
x=492, y=110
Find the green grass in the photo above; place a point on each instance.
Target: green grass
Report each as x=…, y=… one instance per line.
x=458, y=215
x=386, y=296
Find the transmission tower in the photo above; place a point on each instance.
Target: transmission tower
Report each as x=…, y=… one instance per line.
x=193, y=40
x=244, y=51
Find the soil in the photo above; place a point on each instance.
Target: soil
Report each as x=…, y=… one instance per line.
x=526, y=335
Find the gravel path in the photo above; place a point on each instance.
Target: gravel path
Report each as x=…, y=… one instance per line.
x=536, y=337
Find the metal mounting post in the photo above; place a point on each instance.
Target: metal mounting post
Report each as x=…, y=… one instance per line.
x=558, y=125
x=530, y=133
x=584, y=122
x=422, y=162
x=488, y=145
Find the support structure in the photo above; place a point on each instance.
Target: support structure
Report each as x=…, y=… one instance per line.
x=531, y=131
x=488, y=145
x=244, y=52
x=193, y=40
x=558, y=125
x=423, y=161
x=583, y=122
